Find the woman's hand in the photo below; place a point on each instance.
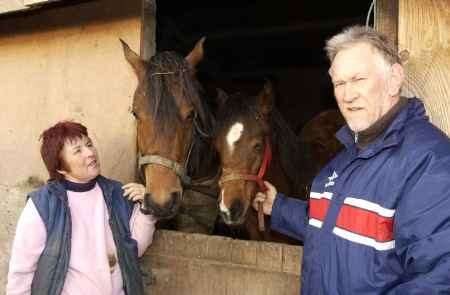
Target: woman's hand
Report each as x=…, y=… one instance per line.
x=134, y=192
x=267, y=198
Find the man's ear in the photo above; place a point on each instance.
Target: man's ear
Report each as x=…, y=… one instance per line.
x=396, y=79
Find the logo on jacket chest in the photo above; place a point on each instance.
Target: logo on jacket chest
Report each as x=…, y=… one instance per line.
x=331, y=179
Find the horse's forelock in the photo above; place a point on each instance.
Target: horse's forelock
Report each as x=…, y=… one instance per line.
x=236, y=106
x=168, y=74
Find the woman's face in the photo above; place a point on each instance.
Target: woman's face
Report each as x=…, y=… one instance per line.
x=80, y=160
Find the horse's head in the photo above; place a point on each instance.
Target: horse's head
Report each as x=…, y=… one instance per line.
x=242, y=141
x=168, y=113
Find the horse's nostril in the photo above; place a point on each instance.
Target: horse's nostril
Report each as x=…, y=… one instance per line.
x=146, y=201
x=175, y=198
x=236, y=209
x=175, y=195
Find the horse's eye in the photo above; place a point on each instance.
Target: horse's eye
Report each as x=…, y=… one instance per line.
x=134, y=114
x=190, y=116
x=258, y=147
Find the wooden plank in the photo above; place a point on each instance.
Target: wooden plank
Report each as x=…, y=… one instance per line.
x=148, y=29
x=11, y=6
x=386, y=19
x=34, y=2
x=192, y=264
x=424, y=36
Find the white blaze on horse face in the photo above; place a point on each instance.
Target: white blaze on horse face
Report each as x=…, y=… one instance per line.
x=234, y=134
x=222, y=205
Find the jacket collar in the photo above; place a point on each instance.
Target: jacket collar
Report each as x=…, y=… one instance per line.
x=107, y=189
x=58, y=189
x=392, y=136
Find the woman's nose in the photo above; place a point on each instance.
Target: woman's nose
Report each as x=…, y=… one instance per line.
x=89, y=151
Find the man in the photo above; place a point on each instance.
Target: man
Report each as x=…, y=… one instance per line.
x=378, y=218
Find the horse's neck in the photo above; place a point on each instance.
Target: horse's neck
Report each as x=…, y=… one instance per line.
x=278, y=176
x=204, y=161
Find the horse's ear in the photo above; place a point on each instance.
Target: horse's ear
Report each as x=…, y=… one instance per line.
x=266, y=98
x=196, y=55
x=221, y=97
x=133, y=59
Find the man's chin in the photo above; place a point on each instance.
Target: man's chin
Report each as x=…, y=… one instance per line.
x=357, y=126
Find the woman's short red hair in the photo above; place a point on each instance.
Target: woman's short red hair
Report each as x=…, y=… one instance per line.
x=53, y=140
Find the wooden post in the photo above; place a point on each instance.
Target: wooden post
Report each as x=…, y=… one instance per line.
x=423, y=37
x=148, y=29
x=386, y=19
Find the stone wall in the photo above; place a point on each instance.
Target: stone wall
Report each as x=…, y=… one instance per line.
x=12, y=201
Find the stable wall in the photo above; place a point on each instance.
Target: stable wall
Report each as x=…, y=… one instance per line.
x=63, y=63
x=67, y=63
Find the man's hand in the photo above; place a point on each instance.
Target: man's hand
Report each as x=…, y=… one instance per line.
x=134, y=191
x=266, y=198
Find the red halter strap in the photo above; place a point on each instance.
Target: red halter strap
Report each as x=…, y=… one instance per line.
x=257, y=178
x=262, y=170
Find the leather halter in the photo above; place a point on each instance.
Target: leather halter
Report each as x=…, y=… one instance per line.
x=251, y=177
x=180, y=169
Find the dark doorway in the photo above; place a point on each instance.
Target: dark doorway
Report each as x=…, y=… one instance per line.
x=249, y=41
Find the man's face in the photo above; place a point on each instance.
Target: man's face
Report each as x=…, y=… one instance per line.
x=361, y=82
x=80, y=159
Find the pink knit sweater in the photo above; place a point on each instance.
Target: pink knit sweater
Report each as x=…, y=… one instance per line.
x=93, y=267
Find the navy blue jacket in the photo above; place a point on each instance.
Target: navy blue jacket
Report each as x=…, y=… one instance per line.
x=378, y=219
x=52, y=205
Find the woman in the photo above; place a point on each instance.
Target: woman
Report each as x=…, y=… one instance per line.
x=78, y=234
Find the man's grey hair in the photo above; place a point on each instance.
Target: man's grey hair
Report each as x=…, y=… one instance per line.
x=359, y=34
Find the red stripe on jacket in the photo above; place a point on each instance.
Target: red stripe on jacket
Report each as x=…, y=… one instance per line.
x=366, y=223
x=318, y=208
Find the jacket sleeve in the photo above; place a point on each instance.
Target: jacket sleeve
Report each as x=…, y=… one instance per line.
x=422, y=229
x=28, y=244
x=289, y=216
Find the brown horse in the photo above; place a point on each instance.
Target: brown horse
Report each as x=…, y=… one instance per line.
x=250, y=131
x=318, y=134
x=173, y=125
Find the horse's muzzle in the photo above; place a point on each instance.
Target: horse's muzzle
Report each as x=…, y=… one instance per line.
x=166, y=210
x=235, y=215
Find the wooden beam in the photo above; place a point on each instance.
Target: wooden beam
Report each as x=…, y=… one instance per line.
x=386, y=19
x=424, y=31
x=35, y=2
x=148, y=29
